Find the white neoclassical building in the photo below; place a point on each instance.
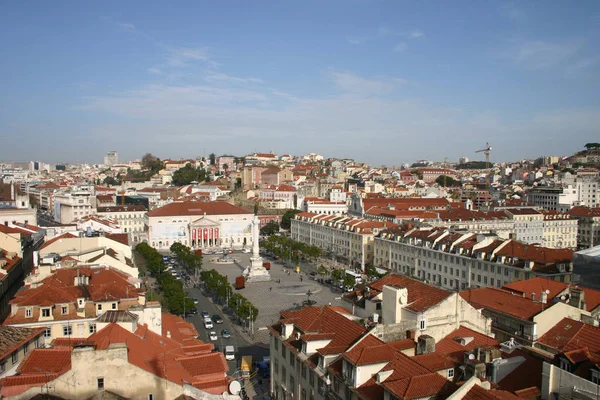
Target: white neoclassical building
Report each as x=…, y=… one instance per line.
x=200, y=225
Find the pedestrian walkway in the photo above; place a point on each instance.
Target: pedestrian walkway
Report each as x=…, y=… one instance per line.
x=287, y=290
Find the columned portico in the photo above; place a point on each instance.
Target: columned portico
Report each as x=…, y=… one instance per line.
x=205, y=233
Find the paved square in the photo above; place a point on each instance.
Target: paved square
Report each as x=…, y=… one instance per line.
x=272, y=297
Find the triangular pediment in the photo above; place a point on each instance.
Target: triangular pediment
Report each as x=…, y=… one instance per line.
x=204, y=222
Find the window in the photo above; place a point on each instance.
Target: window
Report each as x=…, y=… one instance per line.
x=64, y=310
x=48, y=332
x=423, y=324
x=304, y=371
x=283, y=375
x=15, y=358
x=292, y=385
x=28, y=312
x=2, y=367
x=92, y=328
x=25, y=348
x=276, y=367
x=67, y=330
x=311, y=378
x=150, y=396
x=99, y=307
x=292, y=358
x=276, y=344
x=595, y=376
x=100, y=383
x=451, y=373
x=45, y=312
x=114, y=306
x=565, y=365
x=283, y=352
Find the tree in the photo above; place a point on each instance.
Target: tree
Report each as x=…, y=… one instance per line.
x=322, y=271
x=287, y=218
x=270, y=228
x=151, y=163
x=188, y=174
x=447, y=181
x=109, y=180
x=590, y=146
x=212, y=158
x=349, y=280
x=371, y=271
x=336, y=274
x=225, y=167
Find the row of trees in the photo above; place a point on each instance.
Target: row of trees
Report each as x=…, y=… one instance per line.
x=286, y=248
x=188, y=174
x=174, y=297
x=224, y=292
x=187, y=257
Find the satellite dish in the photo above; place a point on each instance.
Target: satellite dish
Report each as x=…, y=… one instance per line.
x=471, y=356
x=547, y=291
x=235, y=387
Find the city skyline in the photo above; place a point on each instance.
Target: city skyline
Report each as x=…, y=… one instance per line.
x=82, y=79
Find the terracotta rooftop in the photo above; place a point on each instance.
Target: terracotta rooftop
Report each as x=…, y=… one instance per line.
x=197, y=208
x=504, y=302
x=569, y=335
x=12, y=338
x=421, y=296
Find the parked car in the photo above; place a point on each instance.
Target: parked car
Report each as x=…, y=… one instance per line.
x=205, y=314
x=193, y=311
x=246, y=251
x=217, y=319
x=213, y=336
x=196, y=302
x=225, y=334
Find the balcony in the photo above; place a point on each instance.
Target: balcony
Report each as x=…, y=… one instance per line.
x=514, y=331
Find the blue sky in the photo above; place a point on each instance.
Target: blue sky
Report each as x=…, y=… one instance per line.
x=384, y=82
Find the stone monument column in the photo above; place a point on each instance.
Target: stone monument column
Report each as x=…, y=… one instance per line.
x=256, y=272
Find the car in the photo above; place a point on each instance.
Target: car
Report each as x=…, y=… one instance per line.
x=225, y=334
x=205, y=314
x=213, y=336
x=208, y=324
x=229, y=353
x=217, y=319
x=246, y=251
x=196, y=301
x=193, y=311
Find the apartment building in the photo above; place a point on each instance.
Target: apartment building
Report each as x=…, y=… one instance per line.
x=74, y=204
x=122, y=360
x=552, y=198
x=521, y=318
x=347, y=239
x=359, y=206
x=278, y=196
x=529, y=224
x=459, y=260
x=15, y=344
x=560, y=231
x=588, y=190
x=70, y=302
x=401, y=304
x=588, y=228
x=319, y=205
x=132, y=219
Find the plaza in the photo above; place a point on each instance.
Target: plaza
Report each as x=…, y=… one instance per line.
x=287, y=289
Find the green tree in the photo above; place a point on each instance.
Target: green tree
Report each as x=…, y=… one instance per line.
x=349, y=280
x=590, y=146
x=270, y=228
x=109, y=180
x=213, y=158
x=337, y=274
x=151, y=163
x=371, y=271
x=188, y=174
x=225, y=167
x=447, y=181
x=287, y=218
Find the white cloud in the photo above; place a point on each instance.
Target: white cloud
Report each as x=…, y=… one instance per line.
x=126, y=26
x=180, y=57
x=538, y=54
x=352, y=83
x=416, y=34
x=400, y=47
x=224, y=78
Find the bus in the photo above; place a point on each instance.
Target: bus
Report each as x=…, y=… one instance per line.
x=357, y=277
x=246, y=366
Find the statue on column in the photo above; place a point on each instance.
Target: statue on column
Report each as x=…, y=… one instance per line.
x=255, y=272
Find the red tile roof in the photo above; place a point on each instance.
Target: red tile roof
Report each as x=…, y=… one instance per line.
x=451, y=346
x=504, y=302
x=569, y=335
x=421, y=296
x=370, y=350
x=56, y=239
x=536, y=285
x=12, y=338
x=197, y=208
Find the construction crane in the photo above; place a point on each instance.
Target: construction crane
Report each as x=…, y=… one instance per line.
x=486, y=151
